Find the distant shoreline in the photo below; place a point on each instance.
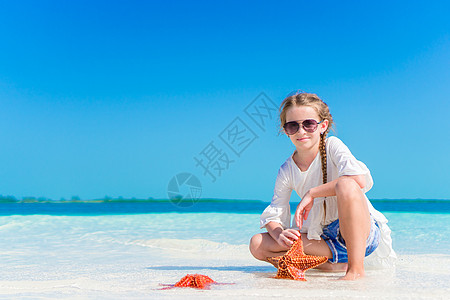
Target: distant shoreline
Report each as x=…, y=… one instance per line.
x=10, y=199
x=137, y=206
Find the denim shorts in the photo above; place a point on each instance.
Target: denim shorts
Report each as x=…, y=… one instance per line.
x=332, y=236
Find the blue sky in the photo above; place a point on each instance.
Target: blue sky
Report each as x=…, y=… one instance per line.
x=115, y=98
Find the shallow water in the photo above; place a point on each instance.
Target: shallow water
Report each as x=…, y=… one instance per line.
x=128, y=256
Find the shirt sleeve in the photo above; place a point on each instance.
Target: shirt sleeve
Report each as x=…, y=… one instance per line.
x=346, y=163
x=279, y=209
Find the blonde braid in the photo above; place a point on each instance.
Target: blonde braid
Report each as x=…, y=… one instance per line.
x=323, y=156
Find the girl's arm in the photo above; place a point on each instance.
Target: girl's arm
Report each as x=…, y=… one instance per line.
x=283, y=237
x=329, y=189
x=324, y=190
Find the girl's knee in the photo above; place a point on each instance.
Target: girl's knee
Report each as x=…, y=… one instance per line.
x=255, y=243
x=255, y=240
x=346, y=187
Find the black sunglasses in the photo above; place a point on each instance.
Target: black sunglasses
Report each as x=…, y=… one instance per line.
x=309, y=125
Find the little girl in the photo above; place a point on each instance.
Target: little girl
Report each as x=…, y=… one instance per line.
x=335, y=218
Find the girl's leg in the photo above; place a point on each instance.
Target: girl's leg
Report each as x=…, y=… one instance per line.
x=262, y=246
x=320, y=248
x=354, y=224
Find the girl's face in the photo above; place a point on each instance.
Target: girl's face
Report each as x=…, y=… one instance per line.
x=302, y=139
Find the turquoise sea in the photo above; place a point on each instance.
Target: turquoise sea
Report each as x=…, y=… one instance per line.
x=126, y=249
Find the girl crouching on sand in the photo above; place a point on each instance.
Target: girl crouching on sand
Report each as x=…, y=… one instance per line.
x=335, y=218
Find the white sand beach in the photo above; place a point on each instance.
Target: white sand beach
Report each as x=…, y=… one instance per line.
x=122, y=257
x=124, y=275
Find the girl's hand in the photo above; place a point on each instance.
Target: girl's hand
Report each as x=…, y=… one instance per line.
x=303, y=209
x=287, y=237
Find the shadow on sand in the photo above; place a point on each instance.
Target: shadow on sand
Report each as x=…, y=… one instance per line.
x=246, y=269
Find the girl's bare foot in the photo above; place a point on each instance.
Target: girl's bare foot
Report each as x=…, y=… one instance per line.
x=352, y=275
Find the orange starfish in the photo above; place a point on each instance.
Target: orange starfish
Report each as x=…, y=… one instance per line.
x=197, y=281
x=295, y=262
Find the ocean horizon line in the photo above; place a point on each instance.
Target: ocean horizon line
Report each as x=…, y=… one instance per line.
x=204, y=205
x=12, y=199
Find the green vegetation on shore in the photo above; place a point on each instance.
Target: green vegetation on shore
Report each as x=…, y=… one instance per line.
x=107, y=199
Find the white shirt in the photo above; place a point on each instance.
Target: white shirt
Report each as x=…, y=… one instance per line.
x=340, y=162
